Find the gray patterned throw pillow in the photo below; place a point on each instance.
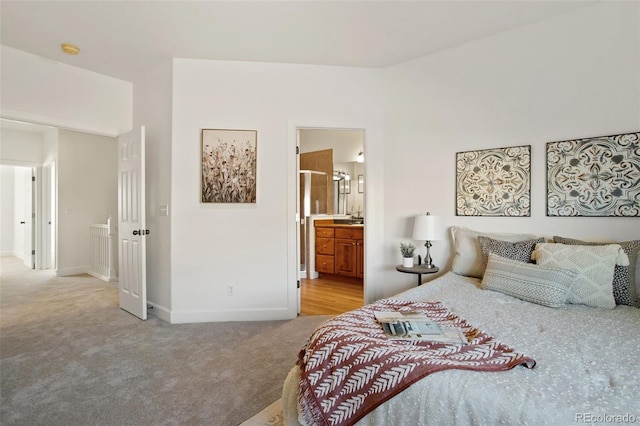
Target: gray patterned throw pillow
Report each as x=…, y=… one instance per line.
x=520, y=251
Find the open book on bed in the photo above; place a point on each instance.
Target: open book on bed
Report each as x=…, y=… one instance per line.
x=411, y=325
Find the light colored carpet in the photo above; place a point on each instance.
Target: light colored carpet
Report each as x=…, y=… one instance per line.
x=270, y=416
x=70, y=356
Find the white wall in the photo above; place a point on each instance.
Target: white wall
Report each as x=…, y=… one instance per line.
x=7, y=221
x=252, y=247
x=87, y=193
x=563, y=78
x=49, y=147
x=152, y=108
x=21, y=148
x=42, y=91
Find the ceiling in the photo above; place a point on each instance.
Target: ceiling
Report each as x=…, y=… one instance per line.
x=126, y=39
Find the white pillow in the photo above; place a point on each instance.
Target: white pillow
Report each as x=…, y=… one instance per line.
x=468, y=259
x=594, y=266
x=526, y=281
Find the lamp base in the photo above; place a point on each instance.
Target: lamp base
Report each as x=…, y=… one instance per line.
x=428, y=263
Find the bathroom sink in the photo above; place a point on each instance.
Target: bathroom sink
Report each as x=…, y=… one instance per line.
x=352, y=221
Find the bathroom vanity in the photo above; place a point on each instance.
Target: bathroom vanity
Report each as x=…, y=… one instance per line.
x=339, y=248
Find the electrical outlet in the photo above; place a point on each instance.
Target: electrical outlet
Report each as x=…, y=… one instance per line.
x=230, y=290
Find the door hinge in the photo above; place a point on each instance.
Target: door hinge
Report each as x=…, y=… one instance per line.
x=297, y=150
x=33, y=252
x=33, y=178
x=298, y=283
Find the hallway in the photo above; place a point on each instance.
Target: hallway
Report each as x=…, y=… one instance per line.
x=328, y=297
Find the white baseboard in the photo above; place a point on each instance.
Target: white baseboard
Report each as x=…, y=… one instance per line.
x=65, y=272
x=7, y=253
x=275, y=314
x=159, y=312
x=103, y=277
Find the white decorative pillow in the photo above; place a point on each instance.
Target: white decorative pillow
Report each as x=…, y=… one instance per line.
x=467, y=259
x=526, y=281
x=624, y=277
x=593, y=265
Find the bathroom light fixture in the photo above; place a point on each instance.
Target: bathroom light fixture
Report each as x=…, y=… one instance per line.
x=360, y=157
x=425, y=227
x=70, y=49
x=340, y=175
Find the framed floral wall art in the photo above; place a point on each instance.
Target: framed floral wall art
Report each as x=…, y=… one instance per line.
x=494, y=182
x=229, y=160
x=597, y=176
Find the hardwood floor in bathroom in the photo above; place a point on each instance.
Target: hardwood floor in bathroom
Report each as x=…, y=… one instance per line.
x=324, y=296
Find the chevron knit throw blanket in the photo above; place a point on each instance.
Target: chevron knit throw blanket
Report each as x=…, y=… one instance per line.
x=348, y=366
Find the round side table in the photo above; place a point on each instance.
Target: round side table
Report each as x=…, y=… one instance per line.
x=417, y=269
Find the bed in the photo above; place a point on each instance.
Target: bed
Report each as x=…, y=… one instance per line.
x=587, y=358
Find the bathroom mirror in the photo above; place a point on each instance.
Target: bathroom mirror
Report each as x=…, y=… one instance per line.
x=347, y=199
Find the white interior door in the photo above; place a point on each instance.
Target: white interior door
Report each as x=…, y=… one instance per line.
x=131, y=223
x=299, y=218
x=28, y=220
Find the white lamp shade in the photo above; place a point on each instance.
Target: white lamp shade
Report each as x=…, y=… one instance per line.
x=425, y=227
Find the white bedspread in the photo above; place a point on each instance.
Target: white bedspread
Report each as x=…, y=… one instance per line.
x=588, y=366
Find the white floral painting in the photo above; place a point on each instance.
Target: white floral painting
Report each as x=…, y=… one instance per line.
x=229, y=160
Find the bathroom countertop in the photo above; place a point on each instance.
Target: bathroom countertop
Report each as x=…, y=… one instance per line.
x=339, y=225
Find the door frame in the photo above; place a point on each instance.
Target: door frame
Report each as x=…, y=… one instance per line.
x=294, y=216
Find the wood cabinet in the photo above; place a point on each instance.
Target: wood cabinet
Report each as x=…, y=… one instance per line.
x=325, y=249
x=340, y=250
x=360, y=258
x=348, y=252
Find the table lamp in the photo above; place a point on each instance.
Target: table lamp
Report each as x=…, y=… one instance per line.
x=425, y=228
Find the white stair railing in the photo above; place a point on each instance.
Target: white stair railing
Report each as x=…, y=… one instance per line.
x=104, y=262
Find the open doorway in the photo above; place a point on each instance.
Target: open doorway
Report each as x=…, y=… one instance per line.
x=27, y=215
x=332, y=220
x=68, y=199
x=28, y=193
